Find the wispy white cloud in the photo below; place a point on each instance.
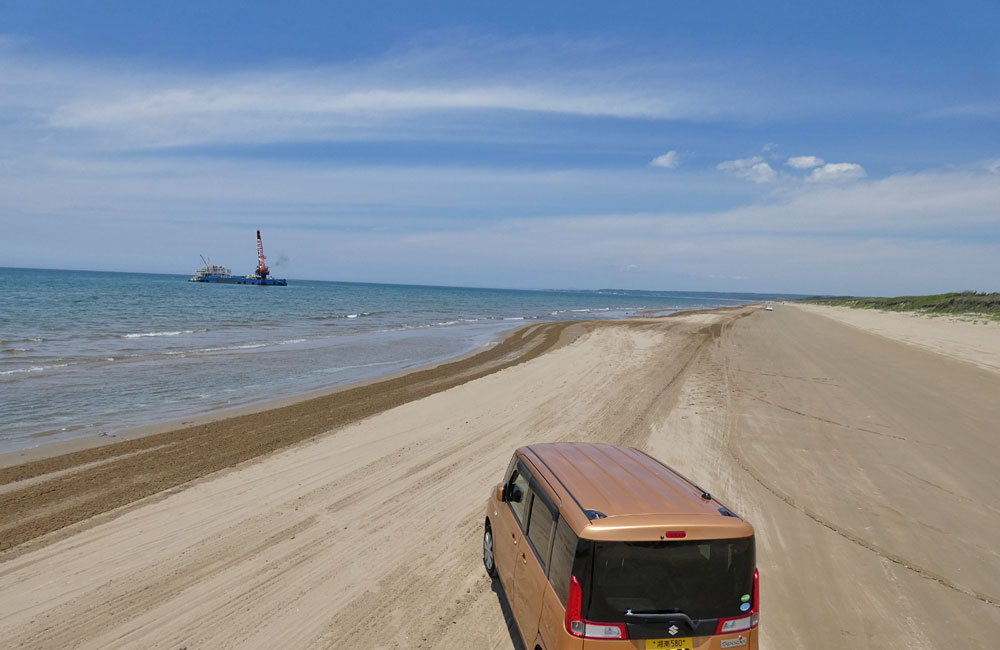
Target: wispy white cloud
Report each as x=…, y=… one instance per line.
x=670, y=160
x=973, y=110
x=126, y=105
x=272, y=100
x=804, y=162
x=837, y=173
x=753, y=169
x=406, y=92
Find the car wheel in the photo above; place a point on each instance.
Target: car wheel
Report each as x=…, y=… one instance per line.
x=489, y=560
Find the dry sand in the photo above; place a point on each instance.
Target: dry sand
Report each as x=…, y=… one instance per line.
x=968, y=338
x=868, y=467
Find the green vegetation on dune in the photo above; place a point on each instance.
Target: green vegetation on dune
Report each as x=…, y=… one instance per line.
x=965, y=303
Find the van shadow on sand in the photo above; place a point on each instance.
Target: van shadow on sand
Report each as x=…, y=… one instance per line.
x=508, y=616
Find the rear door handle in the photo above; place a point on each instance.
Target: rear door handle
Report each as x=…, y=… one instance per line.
x=513, y=537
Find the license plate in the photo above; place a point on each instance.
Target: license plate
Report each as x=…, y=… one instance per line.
x=672, y=644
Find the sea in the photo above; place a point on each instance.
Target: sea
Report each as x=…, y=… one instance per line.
x=87, y=353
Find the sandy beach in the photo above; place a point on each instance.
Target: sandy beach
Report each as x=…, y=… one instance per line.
x=862, y=448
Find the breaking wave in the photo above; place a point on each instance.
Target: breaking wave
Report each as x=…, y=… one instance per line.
x=143, y=335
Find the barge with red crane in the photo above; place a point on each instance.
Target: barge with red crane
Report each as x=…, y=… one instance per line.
x=221, y=275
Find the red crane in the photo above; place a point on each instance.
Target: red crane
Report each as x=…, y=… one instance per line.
x=261, y=262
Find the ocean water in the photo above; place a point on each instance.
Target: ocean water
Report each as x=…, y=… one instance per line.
x=89, y=353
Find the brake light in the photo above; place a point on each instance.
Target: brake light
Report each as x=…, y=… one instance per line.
x=578, y=627
x=748, y=621
x=676, y=534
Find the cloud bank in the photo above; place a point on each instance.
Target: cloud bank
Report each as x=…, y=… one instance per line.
x=934, y=229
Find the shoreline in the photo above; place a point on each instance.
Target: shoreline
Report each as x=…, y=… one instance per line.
x=160, y=457
x=111, y=426
x=177, y=349
x=45, y=450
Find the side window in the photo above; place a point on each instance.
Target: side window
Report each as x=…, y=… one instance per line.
x=540, y=528
x=563, y=552
x=518, y=494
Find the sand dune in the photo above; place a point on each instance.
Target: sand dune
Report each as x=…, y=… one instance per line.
x=867, y=466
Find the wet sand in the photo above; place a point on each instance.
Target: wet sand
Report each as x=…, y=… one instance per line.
x=866, y=464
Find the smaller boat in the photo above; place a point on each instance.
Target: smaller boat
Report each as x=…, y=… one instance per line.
x=211, y=273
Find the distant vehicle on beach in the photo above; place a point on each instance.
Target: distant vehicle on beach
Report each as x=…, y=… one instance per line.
x=221, y=275
x=768, y=308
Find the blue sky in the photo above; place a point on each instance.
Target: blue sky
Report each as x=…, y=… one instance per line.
x=778, y=146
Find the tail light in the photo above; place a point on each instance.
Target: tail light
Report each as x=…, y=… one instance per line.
x=747, y=621
x=578, y=627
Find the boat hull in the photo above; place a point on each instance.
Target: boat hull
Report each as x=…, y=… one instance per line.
x=236, y=279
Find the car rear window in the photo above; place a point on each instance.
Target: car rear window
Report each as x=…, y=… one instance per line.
x=703, y=578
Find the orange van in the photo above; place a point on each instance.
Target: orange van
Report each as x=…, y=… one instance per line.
x=598, y=546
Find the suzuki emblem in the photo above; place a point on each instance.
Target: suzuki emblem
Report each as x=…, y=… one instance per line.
x=672, y=629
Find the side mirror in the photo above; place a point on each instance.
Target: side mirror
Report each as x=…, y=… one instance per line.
x=500, y=492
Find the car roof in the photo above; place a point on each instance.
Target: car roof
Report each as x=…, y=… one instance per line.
x=619, y=493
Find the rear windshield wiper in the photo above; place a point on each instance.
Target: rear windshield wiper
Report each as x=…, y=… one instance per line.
x=674, y=616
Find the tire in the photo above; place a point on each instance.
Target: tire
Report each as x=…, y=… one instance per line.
x=489, y=558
